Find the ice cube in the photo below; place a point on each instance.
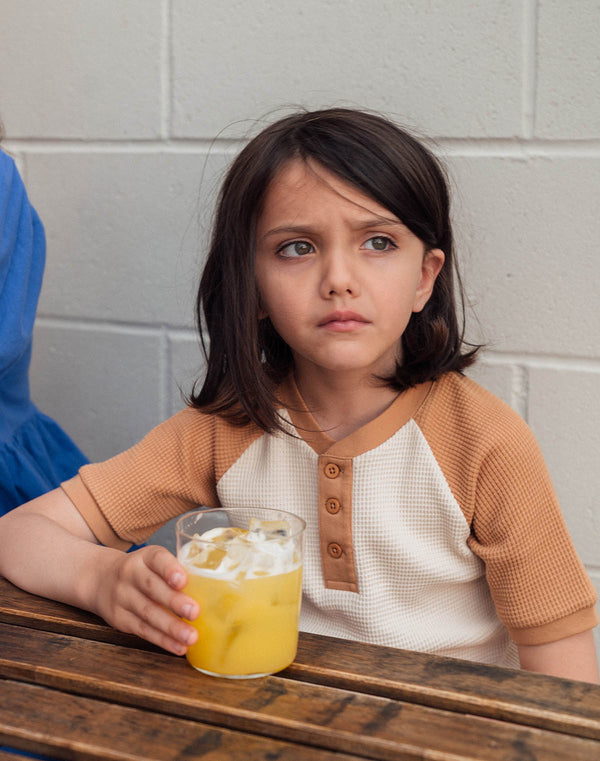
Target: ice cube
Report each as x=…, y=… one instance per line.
x=220, y=535
x=269, y=529
x=238, y=553
x=209, y=557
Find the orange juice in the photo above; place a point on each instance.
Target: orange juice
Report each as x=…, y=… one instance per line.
x=247, y=626
x=247, y=579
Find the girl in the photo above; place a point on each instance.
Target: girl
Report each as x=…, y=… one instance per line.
x=334, y=390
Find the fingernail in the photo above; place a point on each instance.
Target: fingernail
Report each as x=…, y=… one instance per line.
x=188, y=638
x=176, y=579
x=188, y=611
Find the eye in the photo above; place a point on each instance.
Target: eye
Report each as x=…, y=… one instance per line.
x=295, y=248
x=380, y=243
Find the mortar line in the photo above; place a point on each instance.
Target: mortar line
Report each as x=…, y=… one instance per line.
x=475, y=147
x=520, y=390
x=141, y=146
x=164, y=374
x=542, y=361
x=529, y=88
x=113, y=326
x=165, y=70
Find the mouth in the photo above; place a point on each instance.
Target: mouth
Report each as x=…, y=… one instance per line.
x=343, y=322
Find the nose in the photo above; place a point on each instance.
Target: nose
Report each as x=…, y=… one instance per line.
x=338, y=276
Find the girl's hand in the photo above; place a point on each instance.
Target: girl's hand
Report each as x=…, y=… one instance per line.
x=139, y=593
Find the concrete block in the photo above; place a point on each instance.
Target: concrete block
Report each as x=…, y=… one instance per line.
x=103, y=387
x=496, y=378
x=186, y=365
x=565, y=418
x=451, y=68
x=77, y=69
x=568, y=72
x=126, y=233
x=527, y=233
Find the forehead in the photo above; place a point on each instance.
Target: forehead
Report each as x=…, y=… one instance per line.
x=302, y=187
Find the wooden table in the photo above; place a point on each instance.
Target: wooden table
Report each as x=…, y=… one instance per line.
x=73, y=688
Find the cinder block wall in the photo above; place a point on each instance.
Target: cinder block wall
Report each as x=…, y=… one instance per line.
x=122, y=116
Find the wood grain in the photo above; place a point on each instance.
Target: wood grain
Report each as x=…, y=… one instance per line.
x=315, y=715
x=508, y=695
x=24, y=609
x=73, y=727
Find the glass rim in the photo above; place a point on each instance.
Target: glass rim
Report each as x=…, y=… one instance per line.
x=180, y=532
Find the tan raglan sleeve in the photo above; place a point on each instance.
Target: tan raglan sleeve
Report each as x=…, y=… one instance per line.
x=172, y=469
x=539, y=585
x=496, y=471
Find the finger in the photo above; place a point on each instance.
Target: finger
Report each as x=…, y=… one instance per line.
x=158, y=637
x=162, y=562
x=150, y=619
x=157, y=590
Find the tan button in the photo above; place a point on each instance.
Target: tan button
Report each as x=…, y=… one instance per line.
x=333, y=506
x=335, y=550
x=332, y=470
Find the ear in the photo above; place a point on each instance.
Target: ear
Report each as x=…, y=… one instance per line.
x=433, y=261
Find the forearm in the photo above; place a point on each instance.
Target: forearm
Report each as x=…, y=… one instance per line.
x=42, y=557
x=571, y=658
x=47, y=549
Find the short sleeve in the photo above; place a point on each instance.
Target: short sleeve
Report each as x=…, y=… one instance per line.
x=538, y=583
x=498, y=476
x=175, y=468
x=171, y=470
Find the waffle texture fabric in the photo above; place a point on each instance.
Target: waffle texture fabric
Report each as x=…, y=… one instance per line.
x=434, y=527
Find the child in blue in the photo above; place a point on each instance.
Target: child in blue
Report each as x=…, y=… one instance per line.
x=35, y=453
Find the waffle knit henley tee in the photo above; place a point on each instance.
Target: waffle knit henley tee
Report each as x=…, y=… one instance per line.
x=434, y=527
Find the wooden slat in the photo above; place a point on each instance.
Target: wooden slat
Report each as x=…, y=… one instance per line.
x=24, y=609
x=451, y=684
x=321, y=716
x=70, y=726
x=456, y=685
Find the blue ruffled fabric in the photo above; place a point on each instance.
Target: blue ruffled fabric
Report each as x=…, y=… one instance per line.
x=36, y=460
x=35, y=453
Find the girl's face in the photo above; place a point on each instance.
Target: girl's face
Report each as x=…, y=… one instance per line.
x=338, y=274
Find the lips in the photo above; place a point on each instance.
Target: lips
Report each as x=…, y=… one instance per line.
x=343, y=321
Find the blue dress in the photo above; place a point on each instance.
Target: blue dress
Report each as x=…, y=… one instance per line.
x=35, y=453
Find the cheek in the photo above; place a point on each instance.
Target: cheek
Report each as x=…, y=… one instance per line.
x=283, y=316
x=279, y=297
x=283, y=313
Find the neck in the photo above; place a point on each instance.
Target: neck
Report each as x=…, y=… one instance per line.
x=342, y=403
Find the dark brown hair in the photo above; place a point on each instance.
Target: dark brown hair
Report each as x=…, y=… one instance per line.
x=247, y=358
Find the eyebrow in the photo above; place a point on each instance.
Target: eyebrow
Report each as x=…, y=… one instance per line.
x=360, y=225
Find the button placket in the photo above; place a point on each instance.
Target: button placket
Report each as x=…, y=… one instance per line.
x=335, y=523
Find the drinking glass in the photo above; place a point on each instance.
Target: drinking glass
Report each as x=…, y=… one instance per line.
x=244, y=568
